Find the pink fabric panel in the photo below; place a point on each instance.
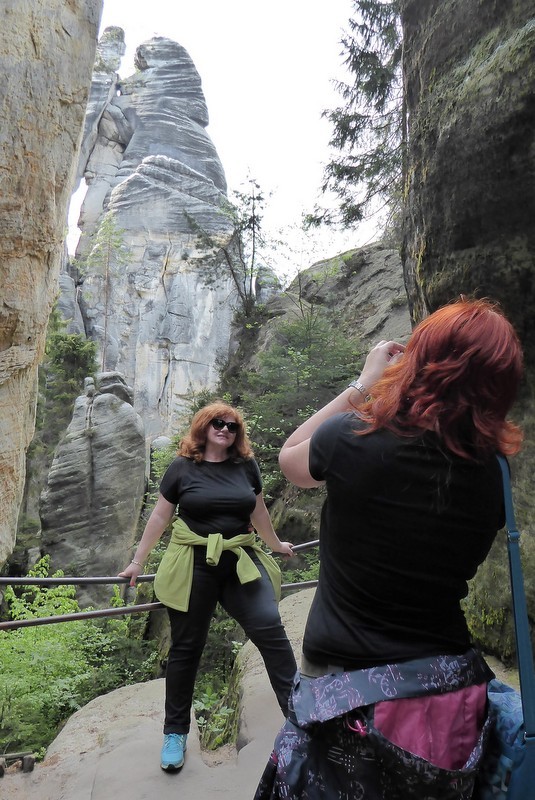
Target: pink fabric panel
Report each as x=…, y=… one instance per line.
x=442, y=728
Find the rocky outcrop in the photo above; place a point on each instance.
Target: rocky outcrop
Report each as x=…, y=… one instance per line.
x=470, y=79
x=46, y=56
x=67, y=305
x=161, y=312
x=92, y=501
x=364, y=287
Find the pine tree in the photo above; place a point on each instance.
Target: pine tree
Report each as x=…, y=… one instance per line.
x=108, y=255
x=244, y=255
x=370, y=129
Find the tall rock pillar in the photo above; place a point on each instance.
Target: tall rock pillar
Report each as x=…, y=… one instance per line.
x=469, y=68
x=47, y=51
x=162, y=313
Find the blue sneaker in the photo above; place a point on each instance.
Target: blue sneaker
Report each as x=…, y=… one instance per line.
x=174, y=747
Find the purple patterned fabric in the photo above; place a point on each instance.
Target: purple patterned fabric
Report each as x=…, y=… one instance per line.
x=329, y=749
x=322, y=699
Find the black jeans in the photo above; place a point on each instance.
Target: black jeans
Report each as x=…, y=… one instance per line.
x=253, y=605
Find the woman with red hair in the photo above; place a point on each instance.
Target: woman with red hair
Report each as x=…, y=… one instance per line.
x=391, y=698
x=213, y=556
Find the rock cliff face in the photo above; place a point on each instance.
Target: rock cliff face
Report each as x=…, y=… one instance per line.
x=46, y=58
x=365, y=288
x=470, y=79
x=148, y=161
x=92, y=502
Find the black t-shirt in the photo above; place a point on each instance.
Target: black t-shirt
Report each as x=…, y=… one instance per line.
x=213, y=496
x=405, y=525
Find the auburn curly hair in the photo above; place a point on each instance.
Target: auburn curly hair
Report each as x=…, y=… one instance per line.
x=459, y=377
x=193, y=443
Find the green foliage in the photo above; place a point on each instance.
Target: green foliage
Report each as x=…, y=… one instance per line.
x=309, y=571
x=212, y=716
x=109, y=252
x=69, y=359
x=161, y=458
x=488, y=605
x=369, y=130
x=49, y=671
x=215, y=709
x=308, y=360
x=225, y=638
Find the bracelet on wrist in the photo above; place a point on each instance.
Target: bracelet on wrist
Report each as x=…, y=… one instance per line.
x=360, y=388
x=139, y=564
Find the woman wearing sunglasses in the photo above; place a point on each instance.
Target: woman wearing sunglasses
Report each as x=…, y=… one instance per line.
x=214, y=556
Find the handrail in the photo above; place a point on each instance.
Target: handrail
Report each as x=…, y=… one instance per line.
x=79, y=615
x=71, y=581
x=80, y=581
x=107, y=612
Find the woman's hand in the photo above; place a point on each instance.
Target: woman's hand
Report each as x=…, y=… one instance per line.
x=132, y=571
x=383, y=355
x=294, y=457
x=262, y=524
x=285, y=549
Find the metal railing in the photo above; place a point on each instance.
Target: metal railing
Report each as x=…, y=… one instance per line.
x=113, y=579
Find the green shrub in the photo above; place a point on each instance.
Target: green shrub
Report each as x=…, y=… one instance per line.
x=47, y=672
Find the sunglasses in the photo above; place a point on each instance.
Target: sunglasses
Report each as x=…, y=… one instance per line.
x=219, y=424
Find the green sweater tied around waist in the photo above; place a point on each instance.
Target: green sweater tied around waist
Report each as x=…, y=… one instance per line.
x=172, y=584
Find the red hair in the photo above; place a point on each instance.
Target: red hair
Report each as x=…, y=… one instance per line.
x=193, y=443
x=459, y=377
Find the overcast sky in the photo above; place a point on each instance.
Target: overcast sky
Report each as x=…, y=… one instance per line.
x=267, y=72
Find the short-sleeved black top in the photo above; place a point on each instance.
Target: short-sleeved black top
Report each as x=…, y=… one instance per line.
x=404, y=527
x=213, y=497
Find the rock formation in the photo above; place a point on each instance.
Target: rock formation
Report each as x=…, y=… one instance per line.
x=92, y=502
x=46, y=58
x=364, y=287
x=470, y=80
x=67, y=304
x=147, y=294
x=158, y=309
x=144, y=288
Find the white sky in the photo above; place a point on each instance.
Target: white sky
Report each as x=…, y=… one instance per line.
x=267, y=70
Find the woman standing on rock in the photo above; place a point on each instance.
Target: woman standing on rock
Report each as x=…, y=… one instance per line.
x=391, y=699
x=213, y=556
